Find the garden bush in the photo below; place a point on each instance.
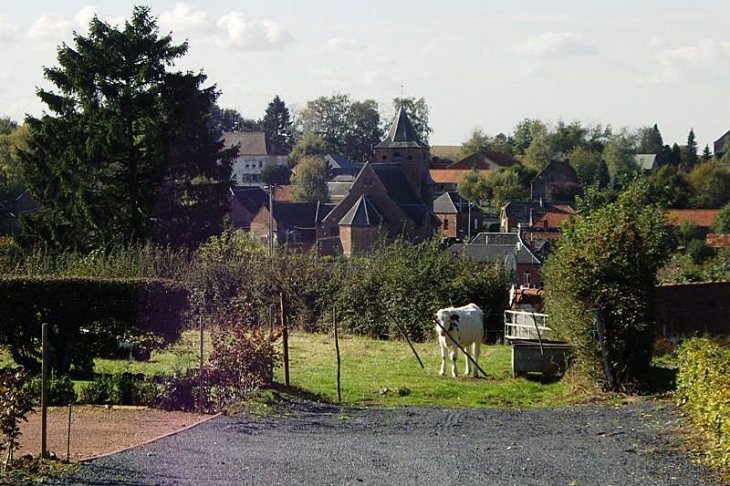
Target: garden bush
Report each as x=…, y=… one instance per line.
x=119, y=389
x=703, y=391
x=15, y=404
x=60, y=390
x=74, y=306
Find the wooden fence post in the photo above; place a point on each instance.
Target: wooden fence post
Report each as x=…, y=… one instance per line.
x=44, y=389
x=200, y=371
x=337, y=348
x=285, y=337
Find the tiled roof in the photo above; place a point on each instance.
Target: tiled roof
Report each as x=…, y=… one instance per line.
x=251, y=143
x=554, y=217
x=401, y=133
x=484, y=160
x=720, y=143
x=646, y=161
x=718, y=240
x=442, y=152
x=495, y=253
x=340, y=165
x=362, y=213
x=452, y=176
x=339, y=188
x=560, y=168
x=283, y=193
x=702, y=218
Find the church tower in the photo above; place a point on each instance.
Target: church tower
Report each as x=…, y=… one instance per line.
x=402, y=146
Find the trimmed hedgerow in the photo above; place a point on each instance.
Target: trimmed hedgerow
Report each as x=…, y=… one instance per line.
x=85, y=314
x=703, y=391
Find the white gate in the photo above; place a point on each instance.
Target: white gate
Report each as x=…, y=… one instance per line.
x=526, y=325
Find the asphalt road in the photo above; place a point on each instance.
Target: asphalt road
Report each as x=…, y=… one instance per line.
x=635, y=443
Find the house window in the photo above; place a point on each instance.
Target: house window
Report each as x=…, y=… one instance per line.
x=397, y=157
x=526, y=278
x=446, y=225
x=261, y=164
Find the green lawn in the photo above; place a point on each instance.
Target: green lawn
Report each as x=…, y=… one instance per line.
x=382, y=373
x=386, y=373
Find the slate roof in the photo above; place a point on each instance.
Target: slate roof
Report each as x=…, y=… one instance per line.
x=646, y=161
x=401, y=133
x=495, y=253
x=300, y=215
x=250, y=197
x=339, y=189
x=489, y=238
x=720, y=143
x=251, y=143
x=484, y=160
x=340, y=165
x=362, y=213
x=400, y=191
x=450, y=203
x=520, y=210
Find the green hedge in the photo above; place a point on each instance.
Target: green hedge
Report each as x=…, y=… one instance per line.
x=83, y=314
x=703, y=390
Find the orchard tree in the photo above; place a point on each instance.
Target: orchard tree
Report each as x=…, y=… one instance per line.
x=310, y=181
x=619, y=154
x=525, y=132
x=278, y=125
x=670, y=187
x=127, y=149
x=607, y=261
x=480, y=141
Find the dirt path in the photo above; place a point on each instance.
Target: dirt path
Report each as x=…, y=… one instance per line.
x=634, y=443
x=97, y=430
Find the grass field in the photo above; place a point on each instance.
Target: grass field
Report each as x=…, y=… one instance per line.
x=382, y=373
x=386, y=373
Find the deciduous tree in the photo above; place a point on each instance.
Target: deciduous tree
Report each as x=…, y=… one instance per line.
x=607, y=260
x=310, y=181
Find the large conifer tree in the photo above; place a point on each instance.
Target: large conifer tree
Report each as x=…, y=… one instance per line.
x=127, y=150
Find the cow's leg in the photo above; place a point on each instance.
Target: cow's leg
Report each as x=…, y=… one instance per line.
x=468, y=366
x=453, y=356
x=477, y=351
x=443, y=359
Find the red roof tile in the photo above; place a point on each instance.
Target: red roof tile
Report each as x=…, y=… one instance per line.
x=697, y=217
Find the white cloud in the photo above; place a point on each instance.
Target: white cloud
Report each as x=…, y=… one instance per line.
x=84, y=16
x=557, y=44
x=703, y=56
x=50, y=28
x=8, y=30
x=251, y=35
x=340, y=44
x=185, y=18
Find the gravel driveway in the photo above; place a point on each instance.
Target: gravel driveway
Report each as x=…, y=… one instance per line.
x=636, y=443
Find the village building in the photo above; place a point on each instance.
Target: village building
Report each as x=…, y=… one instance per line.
x=255, y=152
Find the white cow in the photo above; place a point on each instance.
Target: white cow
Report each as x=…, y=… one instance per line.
x=465, y=327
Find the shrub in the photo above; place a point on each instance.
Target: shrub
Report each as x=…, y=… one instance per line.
x=243, y=356
x=78, y=308
x=607, y=260
x=703, y=391
x=179, y=391
x=119, y=389
x=15, y=404
x=60, y=390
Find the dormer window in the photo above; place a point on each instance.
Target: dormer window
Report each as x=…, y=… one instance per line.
x=397, y=157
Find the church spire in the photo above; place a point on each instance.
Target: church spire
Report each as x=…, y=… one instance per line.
x=402, y=133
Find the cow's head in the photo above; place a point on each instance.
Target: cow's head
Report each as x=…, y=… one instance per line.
x=448, y=321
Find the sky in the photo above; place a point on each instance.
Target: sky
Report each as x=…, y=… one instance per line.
x=478, y=63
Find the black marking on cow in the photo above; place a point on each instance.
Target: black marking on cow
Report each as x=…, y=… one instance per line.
x=454, y=317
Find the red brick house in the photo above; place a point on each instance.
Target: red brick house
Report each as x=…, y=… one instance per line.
x=390, y=197
x=556, y=182
x=456, y=216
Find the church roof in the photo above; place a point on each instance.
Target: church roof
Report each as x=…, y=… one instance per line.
x=362, y=213
x=401, y=134
x=396, y=183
